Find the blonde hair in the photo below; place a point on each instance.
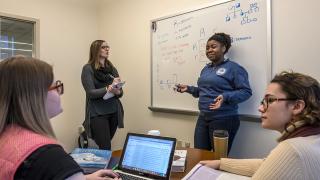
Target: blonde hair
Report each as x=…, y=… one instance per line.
x=24, y=84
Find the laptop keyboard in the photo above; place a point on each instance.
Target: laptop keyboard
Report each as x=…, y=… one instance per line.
x=129, y=177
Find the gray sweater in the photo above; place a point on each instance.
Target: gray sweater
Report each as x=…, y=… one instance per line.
x=295, y=159
x=95, y=104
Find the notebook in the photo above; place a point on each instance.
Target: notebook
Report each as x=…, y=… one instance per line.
x=146, y=157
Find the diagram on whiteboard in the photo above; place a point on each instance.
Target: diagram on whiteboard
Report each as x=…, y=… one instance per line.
x=179, y=50
x=169, y=83
x=245, y=16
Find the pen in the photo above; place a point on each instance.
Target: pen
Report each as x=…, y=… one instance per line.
x=111, y=76
x=115, y=167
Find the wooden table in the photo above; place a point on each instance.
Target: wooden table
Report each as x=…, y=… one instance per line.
x=193, y=157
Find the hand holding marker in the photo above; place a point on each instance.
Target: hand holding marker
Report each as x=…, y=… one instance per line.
x=177, y=88
x=180, y=88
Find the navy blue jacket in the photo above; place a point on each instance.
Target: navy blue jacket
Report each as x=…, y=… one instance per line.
x=228, y=79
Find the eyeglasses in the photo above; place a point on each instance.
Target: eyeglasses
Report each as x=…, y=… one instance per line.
x=105, y=47
x=58, y=86
x=270, y=99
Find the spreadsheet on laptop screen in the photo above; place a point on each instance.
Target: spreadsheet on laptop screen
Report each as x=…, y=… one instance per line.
x=147, y=155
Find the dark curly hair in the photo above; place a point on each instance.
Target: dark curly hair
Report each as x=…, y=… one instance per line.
x=222, y=38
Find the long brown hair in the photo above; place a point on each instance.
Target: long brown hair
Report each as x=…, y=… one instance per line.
x=24, y=84
x=303, y=87
x=94, y=54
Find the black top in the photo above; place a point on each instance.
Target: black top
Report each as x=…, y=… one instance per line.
x=47, y=162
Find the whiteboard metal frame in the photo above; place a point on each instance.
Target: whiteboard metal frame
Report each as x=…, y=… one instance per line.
x=217, y=2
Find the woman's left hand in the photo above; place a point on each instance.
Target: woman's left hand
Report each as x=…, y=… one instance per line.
x=216, y=103
x=113, y=88
x=214, y=164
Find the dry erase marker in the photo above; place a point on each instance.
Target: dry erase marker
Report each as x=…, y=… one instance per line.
x=177, y=88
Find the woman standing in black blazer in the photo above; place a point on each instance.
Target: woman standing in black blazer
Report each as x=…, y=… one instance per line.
x=98, y=77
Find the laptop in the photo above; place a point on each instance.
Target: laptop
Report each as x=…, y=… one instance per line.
x=146, y=157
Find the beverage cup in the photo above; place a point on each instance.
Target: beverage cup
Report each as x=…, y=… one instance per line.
x=179, y=144
x=154, y=132
x=220, y=142
x=187, y=145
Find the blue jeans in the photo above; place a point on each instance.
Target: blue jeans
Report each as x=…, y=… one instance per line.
x=206, y=124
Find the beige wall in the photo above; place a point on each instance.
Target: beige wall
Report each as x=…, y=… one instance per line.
x=125, y=24
x=296, y=36
x=67, y=27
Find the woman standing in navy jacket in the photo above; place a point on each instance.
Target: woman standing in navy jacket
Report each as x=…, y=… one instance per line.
x=221, y=86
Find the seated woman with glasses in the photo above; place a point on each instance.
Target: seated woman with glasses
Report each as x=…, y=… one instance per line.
x=28, y=148
x=291, y=106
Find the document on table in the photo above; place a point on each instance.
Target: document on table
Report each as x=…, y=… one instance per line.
x=200, y=172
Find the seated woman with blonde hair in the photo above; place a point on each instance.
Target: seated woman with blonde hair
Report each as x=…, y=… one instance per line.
x=28, y=149
x=291, y=106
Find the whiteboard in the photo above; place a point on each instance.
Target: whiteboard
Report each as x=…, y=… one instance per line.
x=178, y=44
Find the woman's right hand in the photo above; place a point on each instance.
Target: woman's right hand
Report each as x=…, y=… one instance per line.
x=181, y=88
x=214, y=164
x=111, y=88
x=116, y=80
x=103, y=174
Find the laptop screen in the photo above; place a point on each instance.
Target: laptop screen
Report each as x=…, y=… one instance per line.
x=148, y=154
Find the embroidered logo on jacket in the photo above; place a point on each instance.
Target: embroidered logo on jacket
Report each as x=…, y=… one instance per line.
x=221, y=71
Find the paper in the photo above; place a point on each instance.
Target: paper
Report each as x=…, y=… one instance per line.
x=118, y=85
x=200, y=172
x=108, y=95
